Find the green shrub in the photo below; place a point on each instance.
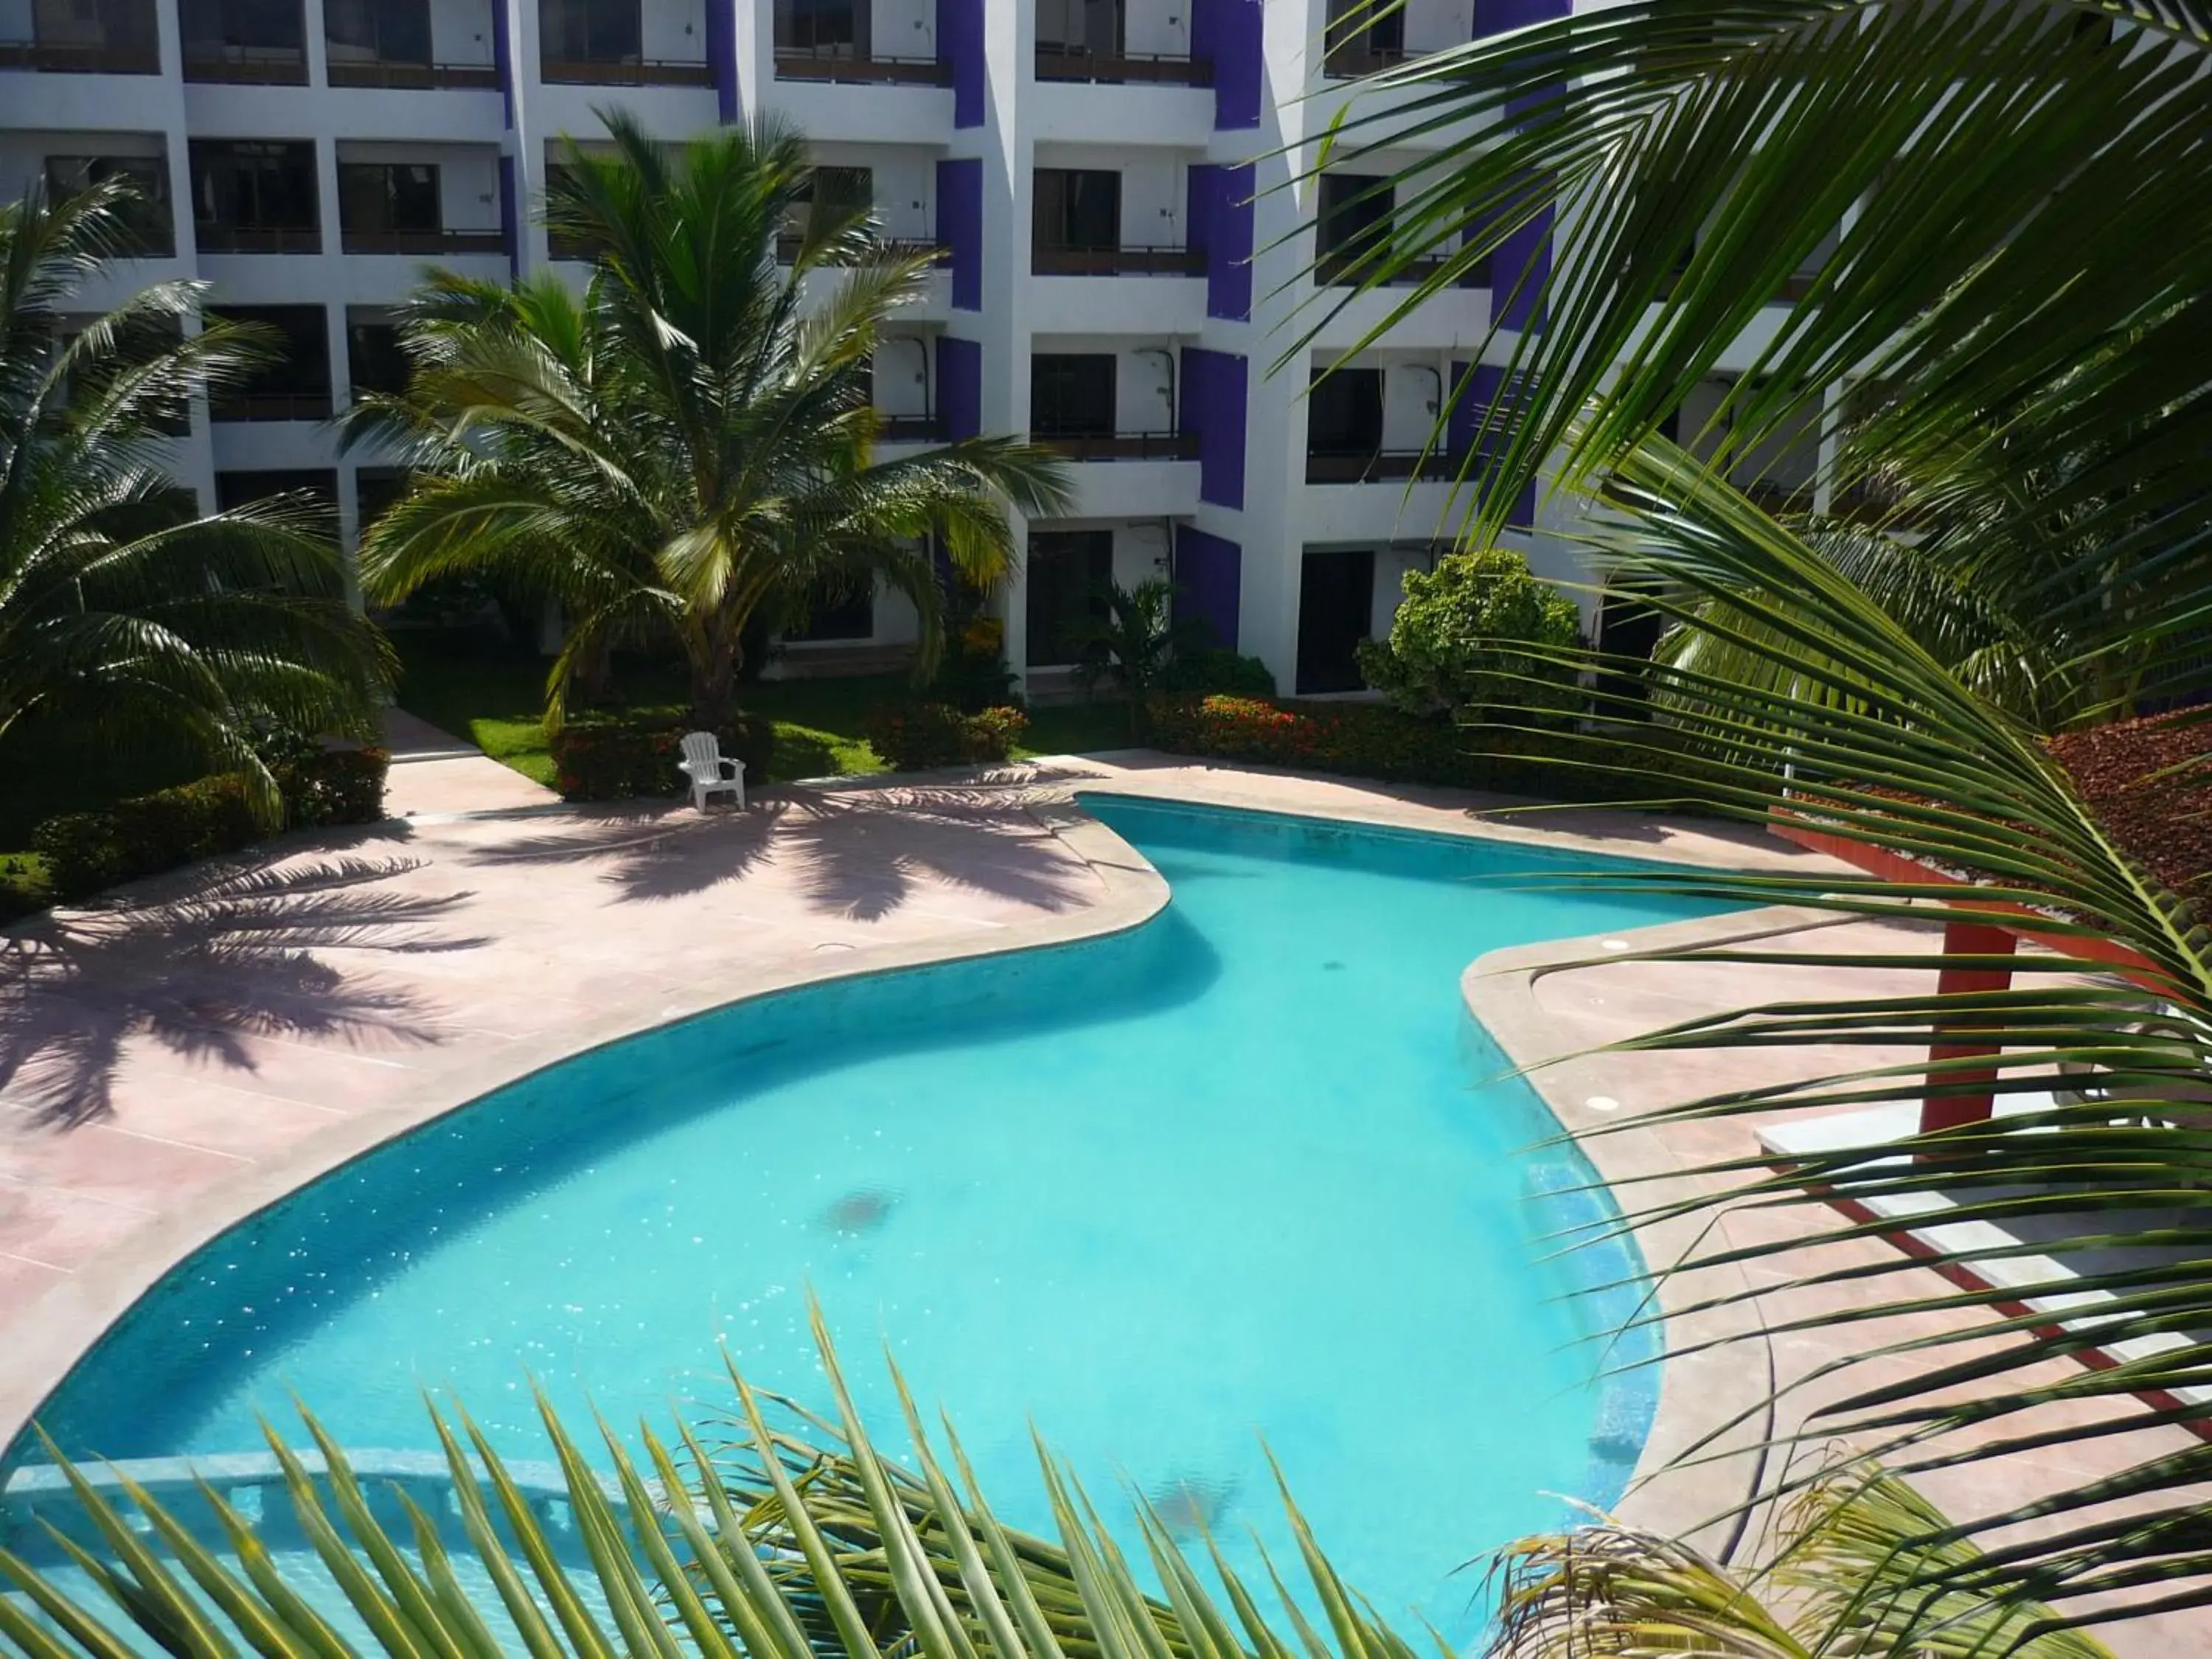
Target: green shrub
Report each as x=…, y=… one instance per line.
x=1374, y=740
x=602, y=759
x=86, y=852
x=1455, y=642
x=922, y=737
x=1209, y=669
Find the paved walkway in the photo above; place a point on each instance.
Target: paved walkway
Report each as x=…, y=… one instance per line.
x=434, y=771
x=171, y=1059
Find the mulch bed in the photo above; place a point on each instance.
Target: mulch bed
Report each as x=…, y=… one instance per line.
x=2165, y=821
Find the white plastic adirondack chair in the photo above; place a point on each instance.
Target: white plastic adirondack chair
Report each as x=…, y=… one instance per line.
x=709, y=772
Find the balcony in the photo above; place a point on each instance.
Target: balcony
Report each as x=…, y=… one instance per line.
x=1121, y=69
x=626, y=72
x=801, y=63
x=271, y=406
x=1380, y=466
x=910, y=428
x=1143, y=261
x=225, y=237
x=1349, y=267
x=1120, y=446
x=892, y=247
x=423, y=241
x=1357, y=58
x=92, y=36
x=245, y=65
x=370, y=72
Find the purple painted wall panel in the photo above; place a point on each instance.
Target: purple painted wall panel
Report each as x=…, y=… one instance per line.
x=722, y=56
x=502, y=56
x=960, y=43
x=1209, y=573
x=1495, y=16
x=1213, y=402
x=960, y=385
x=510, y=215
x=1221, y=229
x=1476, y=396
x=960, y=227
x=1518, y=273
x=1226, y=33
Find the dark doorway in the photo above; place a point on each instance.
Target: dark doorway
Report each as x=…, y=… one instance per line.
x=1067, y=576
x=1076, y=207
x=1344, y=414
x=1627, y=626
x=1072, y=395
x=1336, y=605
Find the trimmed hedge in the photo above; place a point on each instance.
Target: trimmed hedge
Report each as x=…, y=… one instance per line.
x=922, y=737
x=625, y=760
x=86, y=852
x=1374, y=740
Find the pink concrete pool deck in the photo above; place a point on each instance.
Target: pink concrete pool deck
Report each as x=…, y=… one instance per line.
x=171, y=1064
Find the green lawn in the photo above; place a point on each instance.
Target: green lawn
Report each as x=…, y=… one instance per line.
x=22, y=885
x=494, y=698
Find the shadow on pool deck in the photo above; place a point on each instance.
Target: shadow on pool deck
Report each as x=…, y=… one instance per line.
x=201, y=973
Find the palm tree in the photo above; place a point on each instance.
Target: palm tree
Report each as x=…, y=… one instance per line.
x=692, y=438
x=773, y=1532
x=132, y=625
x=1989, y=223
x=1134, y=643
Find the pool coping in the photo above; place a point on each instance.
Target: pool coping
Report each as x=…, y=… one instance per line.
x=1698, y=1393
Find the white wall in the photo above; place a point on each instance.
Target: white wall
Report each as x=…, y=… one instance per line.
x=1433, y=25
x=461, y=31
x=1158, y=27
x=674, y=31
x=903, y=383
x=16, y=22
x=903, y=28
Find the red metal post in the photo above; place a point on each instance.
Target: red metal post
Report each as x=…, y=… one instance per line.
x=1969, y=1037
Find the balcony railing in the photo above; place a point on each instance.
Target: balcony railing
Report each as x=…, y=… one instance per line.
x=258, y=239
x=1379, y=465
x=358, y=72
x=1355, y=59
x=1347, y=267
x=57, y=58
x=1120, y=446
x=422, y=241
x=248, y=66
x=271, y=406
x=1117, y=262
x=651, y=72
x=798, y=64
x=910, y=428
x=1121, y=69
x=562, y=244
x=893, y=248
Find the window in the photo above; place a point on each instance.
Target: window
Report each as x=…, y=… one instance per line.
x=244, y=31
x=296, y=384
x=378, y=31
x=1072, y=395
x=1080, y=26
x=144, y=215
x=1068, y=571
x=1343, y=412
x=1076, y=208
x=379, y=197
x=836, y=614
x=254, y=196
x=320, y=484
x=822, y=28
x=1364, y=36
x=374, y=362
x=375, y=491
x=1354, y=222
x=119, y=26
x=591, y=31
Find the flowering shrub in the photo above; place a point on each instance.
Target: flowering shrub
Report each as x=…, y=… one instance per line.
x=919, y=737
x=1374, y=740
x=623, y=760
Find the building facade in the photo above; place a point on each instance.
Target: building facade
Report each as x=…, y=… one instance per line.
x=1126, y=251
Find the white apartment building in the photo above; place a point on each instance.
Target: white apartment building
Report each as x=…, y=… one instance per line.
x=1124, y=249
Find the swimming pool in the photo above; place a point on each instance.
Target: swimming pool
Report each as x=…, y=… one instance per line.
x=1248, y=1169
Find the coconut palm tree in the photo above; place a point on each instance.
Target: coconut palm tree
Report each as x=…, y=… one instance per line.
x=776, y=1533
x=132, y=625
x=692, y=439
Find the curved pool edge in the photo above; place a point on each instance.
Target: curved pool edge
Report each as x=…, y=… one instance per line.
x=1702, y=1468
x=47, y=1339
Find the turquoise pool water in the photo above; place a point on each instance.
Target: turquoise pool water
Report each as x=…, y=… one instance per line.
x=1249, y=1169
